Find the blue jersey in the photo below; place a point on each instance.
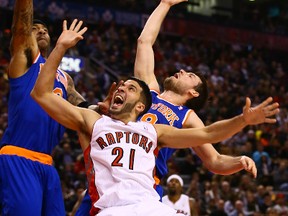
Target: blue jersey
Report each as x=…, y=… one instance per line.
x=29, y=126
x=164, y=112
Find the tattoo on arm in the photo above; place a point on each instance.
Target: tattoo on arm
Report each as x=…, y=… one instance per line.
x=73, y=96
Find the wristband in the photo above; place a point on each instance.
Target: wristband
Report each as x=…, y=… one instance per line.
x=84, y=104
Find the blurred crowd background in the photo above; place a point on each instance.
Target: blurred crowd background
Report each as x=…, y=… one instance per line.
x=249, y=59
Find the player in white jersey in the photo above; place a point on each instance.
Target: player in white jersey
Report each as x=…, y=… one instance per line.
x=176, y=199
x=121, y=150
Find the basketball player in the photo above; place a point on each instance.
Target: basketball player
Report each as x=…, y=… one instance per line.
x=118, y=150
x=177, y=104
x=29, y=184
x=176, y=199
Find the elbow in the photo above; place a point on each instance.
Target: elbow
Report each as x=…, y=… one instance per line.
x=36, y=95
x=144, y=40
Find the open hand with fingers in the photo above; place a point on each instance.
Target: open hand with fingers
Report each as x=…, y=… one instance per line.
x=260, y=113
x=71, y=36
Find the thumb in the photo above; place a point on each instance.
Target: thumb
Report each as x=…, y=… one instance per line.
x=247, y=105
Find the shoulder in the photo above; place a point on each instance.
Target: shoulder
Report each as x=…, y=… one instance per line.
x=193, y=120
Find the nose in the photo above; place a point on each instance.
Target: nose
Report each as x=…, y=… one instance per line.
x=182, y=71
x=121, y=89
x=41, y=31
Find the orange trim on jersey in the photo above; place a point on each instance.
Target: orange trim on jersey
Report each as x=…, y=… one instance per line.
x=187, y=117
x=28, y=154
x=157, y=180
x=37, y=56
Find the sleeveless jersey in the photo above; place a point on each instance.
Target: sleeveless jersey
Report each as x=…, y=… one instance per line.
x=164, y=112
x=182, y=205
x=29, y=126
x=123, y=163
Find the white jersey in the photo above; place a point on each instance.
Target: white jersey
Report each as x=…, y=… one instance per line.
x=123, y=162
x=182, y=205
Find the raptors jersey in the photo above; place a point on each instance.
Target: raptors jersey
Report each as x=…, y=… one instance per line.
x=164, y=112
x=123, y=163
x=182, y=205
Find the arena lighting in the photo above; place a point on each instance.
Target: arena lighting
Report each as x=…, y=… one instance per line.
x=72, y=64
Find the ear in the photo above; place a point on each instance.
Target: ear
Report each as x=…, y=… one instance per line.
x=193, y=93
x=140, y=107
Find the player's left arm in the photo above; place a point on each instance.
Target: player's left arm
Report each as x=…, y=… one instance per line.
x=66, y=114
x=184, y=138
x=213, y=160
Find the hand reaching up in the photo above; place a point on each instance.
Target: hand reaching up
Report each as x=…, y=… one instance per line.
x=71, y=36
x=173, y=2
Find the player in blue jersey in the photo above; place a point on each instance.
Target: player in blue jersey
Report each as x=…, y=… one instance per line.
x=29, y=184
x=183, y=94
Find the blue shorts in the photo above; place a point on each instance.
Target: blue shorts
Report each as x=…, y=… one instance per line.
x=85, y=206
x=29, y=187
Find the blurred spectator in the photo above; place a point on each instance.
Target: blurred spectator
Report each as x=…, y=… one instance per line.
x=281, y=205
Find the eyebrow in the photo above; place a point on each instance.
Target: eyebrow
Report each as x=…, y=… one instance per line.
x=193, y=74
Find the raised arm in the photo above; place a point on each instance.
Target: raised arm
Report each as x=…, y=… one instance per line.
x=144, y=63
x=23, y=46
x=218, y=131
x=66, y=114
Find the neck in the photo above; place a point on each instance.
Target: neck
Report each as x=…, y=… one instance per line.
x=173, y=97
x=124, y=117
x=174, y=198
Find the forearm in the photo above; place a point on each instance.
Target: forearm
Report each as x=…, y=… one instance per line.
x=45, y=81
x=193, y=137
x=225, y=165
x=224, y=129
x=153, y=24
x=22, y=16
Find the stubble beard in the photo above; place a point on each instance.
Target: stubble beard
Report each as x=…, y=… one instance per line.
x=126, y=109
x=170, y=85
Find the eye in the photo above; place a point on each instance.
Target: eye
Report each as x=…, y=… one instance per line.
x=133, y=89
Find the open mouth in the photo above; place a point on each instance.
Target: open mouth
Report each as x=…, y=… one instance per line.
x=118, y=101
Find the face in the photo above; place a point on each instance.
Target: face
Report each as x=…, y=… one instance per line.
x=181, y=82
x=42, y=36
x=174, y=186
x=125, y=98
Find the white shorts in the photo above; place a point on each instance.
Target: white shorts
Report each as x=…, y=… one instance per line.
x=147, y=208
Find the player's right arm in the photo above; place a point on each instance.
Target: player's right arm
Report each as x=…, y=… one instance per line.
x=144, y=63
x=23, y=46
x=70, y=116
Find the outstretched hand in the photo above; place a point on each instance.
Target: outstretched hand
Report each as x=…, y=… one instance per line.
x=260, y=113
x=71, y=36
x=173, y=2
x=104, y=106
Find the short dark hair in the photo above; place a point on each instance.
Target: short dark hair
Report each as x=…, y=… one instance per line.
x=38, y=21
x=145, y=96
x=197, y=103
